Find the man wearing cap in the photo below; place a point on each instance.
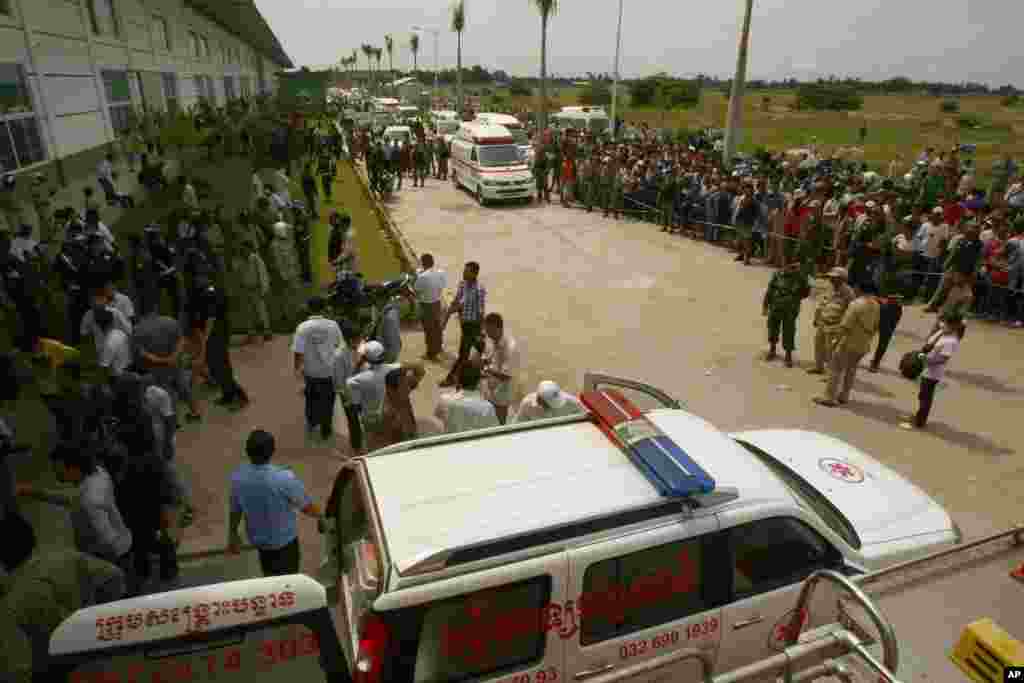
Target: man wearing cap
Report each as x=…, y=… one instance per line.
x=548, y=401
x=856, y=332
x=366, y=388
x=827, y=317
x=313, y=346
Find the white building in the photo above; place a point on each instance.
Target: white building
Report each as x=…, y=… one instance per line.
x=71, y=70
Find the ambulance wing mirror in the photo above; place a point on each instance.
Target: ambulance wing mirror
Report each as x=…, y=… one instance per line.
x=595, y=381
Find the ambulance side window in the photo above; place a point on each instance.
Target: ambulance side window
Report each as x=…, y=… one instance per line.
x=644, y=589
x=484, y=633
x=776, y=552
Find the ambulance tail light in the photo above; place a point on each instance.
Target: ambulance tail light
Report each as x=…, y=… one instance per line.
x=373, y=646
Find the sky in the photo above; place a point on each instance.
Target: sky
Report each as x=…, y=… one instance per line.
x=922, y=39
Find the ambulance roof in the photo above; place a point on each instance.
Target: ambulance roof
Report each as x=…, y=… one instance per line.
x=500, y=119
x=483, y=133
x=468, y=492
x=173, y=614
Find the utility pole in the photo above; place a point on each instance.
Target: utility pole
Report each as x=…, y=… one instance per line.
x=615, y=84
x=732, y=130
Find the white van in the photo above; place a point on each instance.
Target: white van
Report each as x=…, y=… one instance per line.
x=487, y=162
x=593, y=119
x=514, y=126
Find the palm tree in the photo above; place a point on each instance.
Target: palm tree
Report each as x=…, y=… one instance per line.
x=546, y=9
x=377, y=54
x=367, y=51
x=459, y=25
x=414, y=45
x=389, y=45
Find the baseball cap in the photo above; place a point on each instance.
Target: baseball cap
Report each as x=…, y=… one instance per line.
x=373, y=351
x=551, y=393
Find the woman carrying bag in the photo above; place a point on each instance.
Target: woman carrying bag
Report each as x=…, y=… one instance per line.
x=941, y=346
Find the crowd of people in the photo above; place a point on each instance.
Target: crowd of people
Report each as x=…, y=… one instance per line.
x=153, y=310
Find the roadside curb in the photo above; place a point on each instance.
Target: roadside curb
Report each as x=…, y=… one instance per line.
x=403, y=249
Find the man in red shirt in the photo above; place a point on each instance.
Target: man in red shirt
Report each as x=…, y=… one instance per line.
x=952, y=212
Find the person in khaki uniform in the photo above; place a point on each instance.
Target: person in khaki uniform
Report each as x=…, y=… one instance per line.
x=255, y=282
x=42, y=202
x=827, y=318
x=857, y=331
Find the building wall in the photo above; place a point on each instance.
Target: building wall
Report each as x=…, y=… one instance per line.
x=62, y=61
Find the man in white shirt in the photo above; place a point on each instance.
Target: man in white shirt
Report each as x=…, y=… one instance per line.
x=500, y=367
x=367, y=388
x=115, y=350
x=93, y=226
x=314, y=344
x=429, y=286
x=108, y=296
x=548, y=401
x=90, y=324
x=466, y=409
x=936, y=234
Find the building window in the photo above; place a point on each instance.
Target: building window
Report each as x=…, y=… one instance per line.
x=103, y=17
x=170, y=83
x=119, y=100
x=21, y=143
x=160, y=33
x=229, y=88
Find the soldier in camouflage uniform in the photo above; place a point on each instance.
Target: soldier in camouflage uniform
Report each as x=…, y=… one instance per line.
x=616, y=189
x=781, y=305
x=421, y=163
x=668, y=190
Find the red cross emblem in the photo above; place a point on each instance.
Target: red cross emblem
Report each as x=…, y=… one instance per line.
x=841, y=470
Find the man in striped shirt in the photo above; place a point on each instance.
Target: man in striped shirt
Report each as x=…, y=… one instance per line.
x=470, y=303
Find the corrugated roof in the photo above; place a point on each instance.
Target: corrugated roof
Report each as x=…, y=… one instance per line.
x=242, y=19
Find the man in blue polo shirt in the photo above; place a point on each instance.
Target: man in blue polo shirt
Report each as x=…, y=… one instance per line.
x=268, y=496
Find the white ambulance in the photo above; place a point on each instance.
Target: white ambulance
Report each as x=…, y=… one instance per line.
x=593, y=119
x=487, y=162
x=514, y=126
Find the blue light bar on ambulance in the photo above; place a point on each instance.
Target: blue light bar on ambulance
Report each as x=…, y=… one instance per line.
x=666, y=465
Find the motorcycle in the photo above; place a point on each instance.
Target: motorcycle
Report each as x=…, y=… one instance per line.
x=359, y=303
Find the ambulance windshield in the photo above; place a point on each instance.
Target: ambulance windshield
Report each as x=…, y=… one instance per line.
x=500, y=155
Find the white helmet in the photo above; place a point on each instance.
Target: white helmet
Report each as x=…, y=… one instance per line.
x=281, y=229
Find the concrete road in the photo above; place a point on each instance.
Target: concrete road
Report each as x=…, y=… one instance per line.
x=583, y=292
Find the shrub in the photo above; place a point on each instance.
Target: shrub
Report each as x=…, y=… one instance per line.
x=1011, y=101
x=970, y=121
x=519, y=88
x=596, y=93
x=950, y=106
x=828, y=97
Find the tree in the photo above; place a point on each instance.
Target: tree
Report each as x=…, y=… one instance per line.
x=414, y=47
x=828, y=97
x=546, y=9
x=673, y=93
x=459, y=25
x=389, y=45
x=597, y=92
